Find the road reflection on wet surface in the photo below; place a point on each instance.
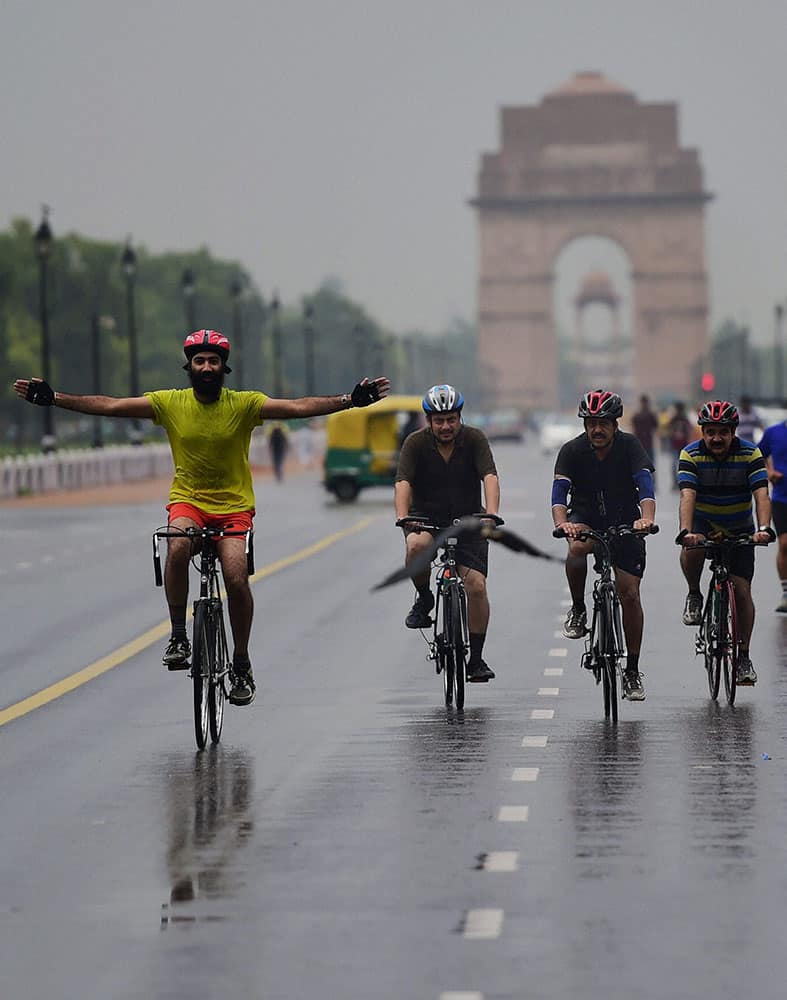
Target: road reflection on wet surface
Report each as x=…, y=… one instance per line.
x=209, y=825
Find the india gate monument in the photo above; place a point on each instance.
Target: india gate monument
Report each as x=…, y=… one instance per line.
x=590, y=160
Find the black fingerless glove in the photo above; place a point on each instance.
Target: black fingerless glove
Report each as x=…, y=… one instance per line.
x=364, y=395
x=41, y=393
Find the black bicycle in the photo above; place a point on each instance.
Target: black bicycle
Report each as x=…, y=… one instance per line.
x=717, y=638
x=211, y=669
x=450, y=643
x=605, y=646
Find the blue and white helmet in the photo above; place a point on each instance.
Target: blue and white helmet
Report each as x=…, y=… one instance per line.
x=443, y=399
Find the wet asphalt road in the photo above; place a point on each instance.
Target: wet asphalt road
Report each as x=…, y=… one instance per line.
x=352, y=838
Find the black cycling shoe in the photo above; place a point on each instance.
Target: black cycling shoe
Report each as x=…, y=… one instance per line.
x=177, y=654
x=418, y=616
x=478, y=672
x=243, y=687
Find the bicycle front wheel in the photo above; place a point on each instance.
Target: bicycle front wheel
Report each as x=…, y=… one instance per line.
x=201, y=671
x=609, y=655
x=709, y=635
x=728, y=640
x=445, y=659
x=220, y=669
x=458, y=622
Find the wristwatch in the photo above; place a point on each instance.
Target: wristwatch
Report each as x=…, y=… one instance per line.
x=763, y=527
x=346, y=400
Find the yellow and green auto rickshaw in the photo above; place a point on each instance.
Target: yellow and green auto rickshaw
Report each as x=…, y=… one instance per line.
x=362, y=445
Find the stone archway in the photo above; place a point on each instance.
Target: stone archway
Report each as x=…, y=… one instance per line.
x=590, y=160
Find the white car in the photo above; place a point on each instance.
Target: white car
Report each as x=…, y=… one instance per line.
x=555, y=430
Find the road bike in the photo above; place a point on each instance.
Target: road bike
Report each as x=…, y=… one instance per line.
x=450, y=643
x=604, y=645
x=717, y=638
x=211, y=668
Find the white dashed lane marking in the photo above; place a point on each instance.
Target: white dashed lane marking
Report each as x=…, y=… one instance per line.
x=500, y=861
x=549, y=692
x=461, y=995
x=542, y=713
x=553, y=672
x=525, y=774
x=535, y=741
x=513, y=814
x=482, y=925
x=559, y=651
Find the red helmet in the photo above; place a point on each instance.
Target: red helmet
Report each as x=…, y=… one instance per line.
x=600, y=403
x=718, y=411
x=210, y=341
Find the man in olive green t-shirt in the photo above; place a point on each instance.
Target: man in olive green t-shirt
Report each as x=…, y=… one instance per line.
x=209, y=430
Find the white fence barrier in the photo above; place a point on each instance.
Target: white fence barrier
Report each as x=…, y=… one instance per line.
x=78, y=469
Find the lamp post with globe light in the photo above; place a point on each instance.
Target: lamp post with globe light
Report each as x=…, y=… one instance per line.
x=236, y=293
x=129, y=263
x=188, y=283
x=43, y=246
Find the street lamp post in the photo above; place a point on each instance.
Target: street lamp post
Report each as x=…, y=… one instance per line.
x=95, y=359
x=187, y=286
x=308, y=348
x=778, y=350
x=43, y=245
x=276, y=328
x=236, y=291
x=129, y=264
x=360, y=349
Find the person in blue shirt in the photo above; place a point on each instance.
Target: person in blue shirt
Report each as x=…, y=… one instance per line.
x=718, y=476
x=773, y=446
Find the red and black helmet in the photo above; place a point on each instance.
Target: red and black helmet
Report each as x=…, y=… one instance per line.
x=718, y=411
x=210, y=341
x=600, y=403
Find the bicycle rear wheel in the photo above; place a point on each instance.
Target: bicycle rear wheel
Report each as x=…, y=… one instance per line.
x=728, y=640
x=218, y=673
x=709, y=634
x=458, y=617
x=201, y=671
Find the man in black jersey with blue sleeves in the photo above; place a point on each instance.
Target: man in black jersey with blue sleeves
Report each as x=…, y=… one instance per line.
x=609, y=478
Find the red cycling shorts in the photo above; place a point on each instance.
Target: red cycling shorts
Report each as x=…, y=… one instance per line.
x=240, y=521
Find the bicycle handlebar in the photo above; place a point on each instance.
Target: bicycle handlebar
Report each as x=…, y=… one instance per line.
x=724, y=542
x=207, y=534
x=420, y=523
x=613, y=531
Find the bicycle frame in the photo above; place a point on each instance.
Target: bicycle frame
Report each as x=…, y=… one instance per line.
x=717, y=638
x=450, y=643
x=211, y=668
x=604, y=645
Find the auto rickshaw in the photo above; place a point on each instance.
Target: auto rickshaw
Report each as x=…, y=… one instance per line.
x=362, y=444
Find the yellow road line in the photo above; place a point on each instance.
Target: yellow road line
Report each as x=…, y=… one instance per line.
x=129, y=649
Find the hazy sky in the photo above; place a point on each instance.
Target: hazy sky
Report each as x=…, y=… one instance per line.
x=343, y=137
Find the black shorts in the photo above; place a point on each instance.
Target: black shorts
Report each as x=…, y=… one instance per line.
x=628, y=553
x=741, y=559
x=779, y=514
x=470, y=552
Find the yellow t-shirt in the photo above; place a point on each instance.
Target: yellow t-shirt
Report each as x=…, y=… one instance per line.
x=210, y=446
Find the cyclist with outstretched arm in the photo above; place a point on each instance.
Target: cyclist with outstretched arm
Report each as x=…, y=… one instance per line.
x=604, y=478
x=718, y=476
x=209, y=429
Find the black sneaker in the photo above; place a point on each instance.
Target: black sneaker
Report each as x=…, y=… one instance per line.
x=243, y=686
x=633, y=689
x=692, y=610
x=576, y=623
x=745, y=674
x=478, y=672
x=418, y=616
x=177, y=654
